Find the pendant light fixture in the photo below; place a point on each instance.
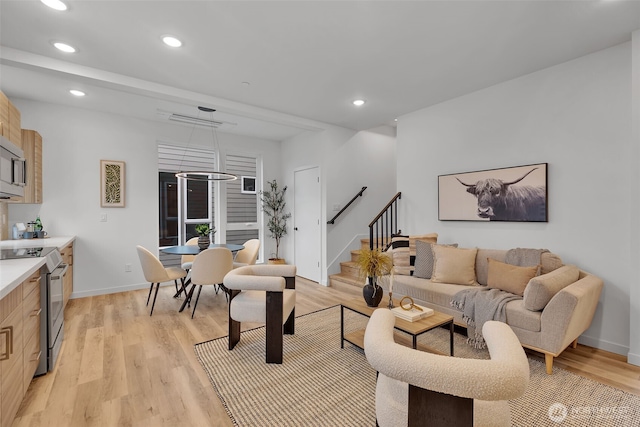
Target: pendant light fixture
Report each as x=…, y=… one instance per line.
x=213, y=174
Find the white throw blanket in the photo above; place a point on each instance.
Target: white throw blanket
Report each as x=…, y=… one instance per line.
x=479, y=305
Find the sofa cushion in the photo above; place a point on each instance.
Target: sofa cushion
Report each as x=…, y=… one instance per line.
x=438, y=294
x=482, y=263
x=550, y=262
x=454, y=265
x=520, y=317
x=404, y=251
x=424, y=259
x=509, y=278
x=542, y=288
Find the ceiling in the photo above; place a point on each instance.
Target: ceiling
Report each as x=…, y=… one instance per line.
x=304, y=61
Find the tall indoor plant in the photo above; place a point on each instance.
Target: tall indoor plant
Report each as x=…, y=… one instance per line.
x=273, y=205
x=373, y=264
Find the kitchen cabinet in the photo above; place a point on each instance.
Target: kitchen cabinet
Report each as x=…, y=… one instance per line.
x=32, y=147
x=4, y=115
x=19, y=345
x=67, y=281
x=15, y=125
x=11, y=356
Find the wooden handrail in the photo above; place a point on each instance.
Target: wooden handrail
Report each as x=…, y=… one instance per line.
x=333, y=220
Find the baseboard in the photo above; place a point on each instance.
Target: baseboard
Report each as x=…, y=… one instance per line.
x=105, y=291
x=633, y=359
x=604, y=345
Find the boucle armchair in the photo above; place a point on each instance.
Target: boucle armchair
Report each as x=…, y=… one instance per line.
x=416, y=388
x=262, y=294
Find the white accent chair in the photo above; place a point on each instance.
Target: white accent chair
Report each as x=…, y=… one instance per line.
x=248, y=255
x=416, y=388
x=262, y=294
x=156, y=273
x=209, y=268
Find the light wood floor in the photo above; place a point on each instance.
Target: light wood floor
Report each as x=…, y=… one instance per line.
x=120, y=367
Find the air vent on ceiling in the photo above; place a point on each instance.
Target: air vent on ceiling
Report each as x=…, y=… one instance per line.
x=192, y=120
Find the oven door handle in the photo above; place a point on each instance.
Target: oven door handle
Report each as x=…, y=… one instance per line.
x=59, y=272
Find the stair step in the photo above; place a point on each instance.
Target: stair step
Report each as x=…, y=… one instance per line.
x=345, y=283
x=350, y=269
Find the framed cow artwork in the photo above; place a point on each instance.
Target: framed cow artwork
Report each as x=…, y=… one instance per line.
x=516, y=194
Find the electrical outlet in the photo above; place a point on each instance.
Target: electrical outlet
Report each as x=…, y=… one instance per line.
x=127, y=268
x=103, y=217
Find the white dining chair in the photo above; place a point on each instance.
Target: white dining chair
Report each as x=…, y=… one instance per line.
x=209, y=268
x=156, y=273
x=186, y=261
x=248, y=255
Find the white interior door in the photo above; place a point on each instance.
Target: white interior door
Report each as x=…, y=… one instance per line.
x=306, y=228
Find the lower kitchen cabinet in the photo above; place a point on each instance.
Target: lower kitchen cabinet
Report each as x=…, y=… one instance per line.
x=67, y=284
x=19, y=345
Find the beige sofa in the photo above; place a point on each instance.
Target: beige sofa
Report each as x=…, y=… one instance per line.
x=557, y=305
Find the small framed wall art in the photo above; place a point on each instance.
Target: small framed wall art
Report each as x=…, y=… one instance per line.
x=112, y=184
x=516, y=194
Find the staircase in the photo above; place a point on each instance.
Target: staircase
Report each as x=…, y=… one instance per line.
x=348, y=278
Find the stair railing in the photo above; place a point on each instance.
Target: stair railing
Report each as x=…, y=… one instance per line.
x=384, y=225
x=333, y=220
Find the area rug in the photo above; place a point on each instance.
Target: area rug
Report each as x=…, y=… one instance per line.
x=321, y=384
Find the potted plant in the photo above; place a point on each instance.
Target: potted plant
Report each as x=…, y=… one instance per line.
x=373, y=264
x=273, y=205
x=204, y=231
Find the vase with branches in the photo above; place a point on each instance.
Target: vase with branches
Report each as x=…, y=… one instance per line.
x=372, y=265
x=273, y=205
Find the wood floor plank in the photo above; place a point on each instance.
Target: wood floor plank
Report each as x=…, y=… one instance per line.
x=121, y=367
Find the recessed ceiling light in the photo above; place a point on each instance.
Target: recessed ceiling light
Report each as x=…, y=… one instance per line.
x=246, y=84
x=359, y=102
x=64, y=47
x=55, y=4
x=76, y=92
x=171, y=41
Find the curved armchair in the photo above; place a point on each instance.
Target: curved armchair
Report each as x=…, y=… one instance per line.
x=156, y=273
x=418, y=388
x=262, y=294
x=248, y=255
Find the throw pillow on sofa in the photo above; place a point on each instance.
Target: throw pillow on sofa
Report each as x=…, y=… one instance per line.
x=424, y=259
x=454, y=265
x=404, y=251
x=541, y=289
x=509, y=278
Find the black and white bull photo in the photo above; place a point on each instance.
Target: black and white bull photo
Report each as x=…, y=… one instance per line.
x=504, y=201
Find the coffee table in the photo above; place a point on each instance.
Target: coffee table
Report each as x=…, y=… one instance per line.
x=414, y=329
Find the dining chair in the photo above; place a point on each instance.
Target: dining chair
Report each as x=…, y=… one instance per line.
x=248, y=255
x=186, y=261
x=156, y=273
x=263, y=294
x=209, y=268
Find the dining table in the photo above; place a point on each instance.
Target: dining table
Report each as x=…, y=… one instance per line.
x=195, y=250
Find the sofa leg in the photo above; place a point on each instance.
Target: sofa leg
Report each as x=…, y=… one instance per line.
x=574, y=344
x=548, y=360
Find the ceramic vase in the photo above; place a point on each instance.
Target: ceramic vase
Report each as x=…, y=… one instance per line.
x=372, y=293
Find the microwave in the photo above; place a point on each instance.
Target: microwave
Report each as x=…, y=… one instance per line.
x=13, y=169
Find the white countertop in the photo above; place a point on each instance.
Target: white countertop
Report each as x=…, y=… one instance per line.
x=15, y=271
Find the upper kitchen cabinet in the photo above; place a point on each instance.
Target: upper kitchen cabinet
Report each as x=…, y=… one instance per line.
x=10, y=121
x=32, y=147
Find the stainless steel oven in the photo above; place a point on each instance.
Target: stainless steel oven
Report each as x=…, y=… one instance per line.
x=52, y=319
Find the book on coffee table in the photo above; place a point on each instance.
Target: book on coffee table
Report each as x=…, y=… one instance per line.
x=413, y=314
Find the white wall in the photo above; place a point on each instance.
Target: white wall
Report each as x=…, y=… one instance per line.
x=577, y=117
x=74, y=141
x=348, y=161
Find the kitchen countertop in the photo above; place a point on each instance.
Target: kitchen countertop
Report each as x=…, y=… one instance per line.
x=15, y=271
